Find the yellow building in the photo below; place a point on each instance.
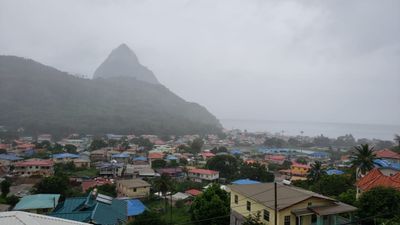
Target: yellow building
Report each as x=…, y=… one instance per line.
x=298, y=169
x=133, y=188
x=295, y=206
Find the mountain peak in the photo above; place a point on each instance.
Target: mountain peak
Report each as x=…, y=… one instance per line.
x=123, y=62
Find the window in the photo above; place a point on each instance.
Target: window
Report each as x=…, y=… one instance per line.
x=236, y=199
x=287, y=220
x=266, y=215
x=248, y=206
x=313, y=218
x=310, y=204
x=134, y=190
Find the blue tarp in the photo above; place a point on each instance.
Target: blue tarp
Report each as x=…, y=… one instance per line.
x=334, y=172
x=386, y=164
x=135, y=207
x=236, y=152
x=171, y=157
x=65, y=155
x=245, y=181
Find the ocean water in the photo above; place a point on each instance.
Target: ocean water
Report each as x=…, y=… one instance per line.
x=332, y=130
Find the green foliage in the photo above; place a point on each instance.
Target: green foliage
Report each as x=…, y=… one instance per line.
x=5, y=188
x=98, y=144
x=12, y=200
x=179, y=204
x=227, y=166
x=158, y=163
x=256, y=171
x=148, y=218
x=211, y=208
x=274, y=142
x=196, y=145
x=183, y=161
x=253, y=219
x=332, y=185
x=186, y=185
x=380, y=202
x=322, y=141
x=301, y=160
x=363, y=159
x=70, y=148
x=143, y=142
x=348, y=197
x=62, y=168
x=53, y=185
x=316, y=172
x=216, y=150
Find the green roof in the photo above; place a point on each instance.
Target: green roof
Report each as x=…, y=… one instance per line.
x=39, y=201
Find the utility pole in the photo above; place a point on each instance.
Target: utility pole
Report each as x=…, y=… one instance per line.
x=276, y=203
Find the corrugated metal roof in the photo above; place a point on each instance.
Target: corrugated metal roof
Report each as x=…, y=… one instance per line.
x=25, y=218
x=39, y=201
x=135, y=207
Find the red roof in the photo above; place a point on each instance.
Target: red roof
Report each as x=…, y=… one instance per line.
x=388, y=154
x=207, y=154
x=155, y=155
x=275, y=157
x=93, y=183
x=193, y=192
x=203, y=171
x=376, y=178
x=35, y=163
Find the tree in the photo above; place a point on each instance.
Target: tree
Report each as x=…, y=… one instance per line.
x=332, y=185
x=397, y=139
x=158, y=163
x=301, y=160
x=363, y=159
x=348, y=197
x=379, y=202
x=253, y=219
x=12, y=200
x=274, y=142
x=211, y=208
x=227, y=166
x=70, y=148
x=294, y=142
x=256, y=171
x=97, y=144
x=53, y=185
x=5, y=188
x=143, y=142
x=322, y=141
x=196, y=145
x=163, y=184
x=148, y=218
x=316, y=172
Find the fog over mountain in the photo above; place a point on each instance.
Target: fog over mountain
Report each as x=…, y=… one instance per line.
x=328, y=61
x=122, y=62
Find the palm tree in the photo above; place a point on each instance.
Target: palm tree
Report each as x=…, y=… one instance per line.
x=316, y=172
x=397, y=139
x=163, y=184
x=363, y=159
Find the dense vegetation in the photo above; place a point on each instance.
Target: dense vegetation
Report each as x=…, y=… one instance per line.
x=42, y=99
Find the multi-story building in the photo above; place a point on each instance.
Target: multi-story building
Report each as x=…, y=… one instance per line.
x=295, y=206
x=203, y=175
x=298, y=169
x=133, y=188
x=34, y=167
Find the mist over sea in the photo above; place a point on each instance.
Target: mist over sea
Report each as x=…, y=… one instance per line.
x=332, y=130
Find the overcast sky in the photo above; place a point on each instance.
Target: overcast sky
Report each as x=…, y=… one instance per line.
x=330, y=61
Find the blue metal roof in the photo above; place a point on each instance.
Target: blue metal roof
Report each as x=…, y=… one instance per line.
x=334, y=172
x=9, y=157
x=140, y=158
x=236, y=152
x=319, y=154
x=135, y=207
x=172, y=157
x=121, y=155
x=65, y=156
x=245, y=181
